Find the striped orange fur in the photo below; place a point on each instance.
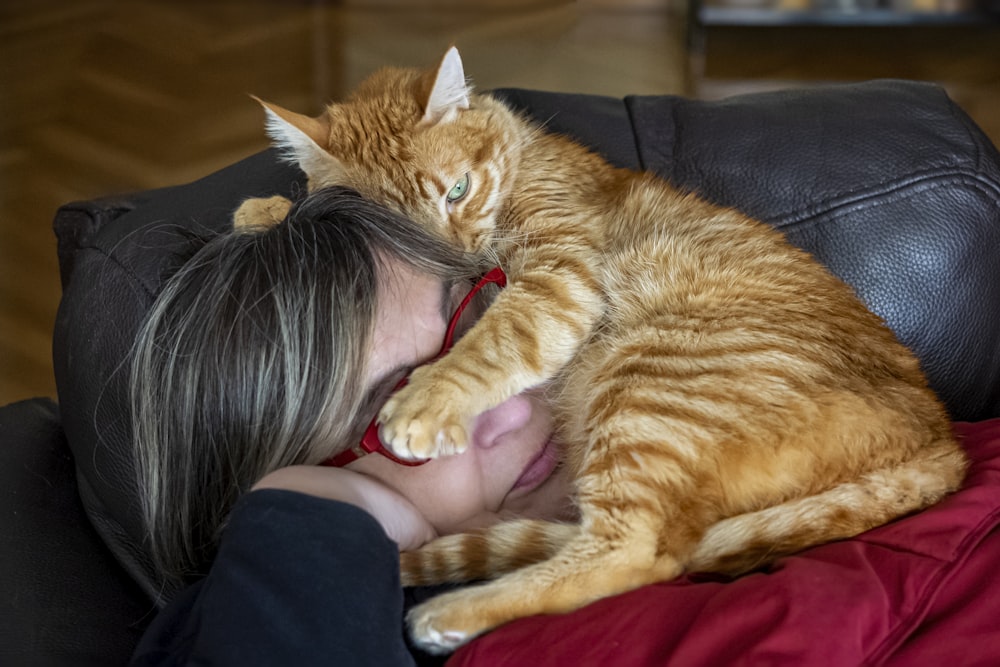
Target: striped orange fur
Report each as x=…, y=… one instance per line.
x=726, y=399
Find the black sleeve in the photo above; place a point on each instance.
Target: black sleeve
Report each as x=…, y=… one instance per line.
x=298, y=580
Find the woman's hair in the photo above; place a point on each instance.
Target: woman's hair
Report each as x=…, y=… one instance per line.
x=252, y=358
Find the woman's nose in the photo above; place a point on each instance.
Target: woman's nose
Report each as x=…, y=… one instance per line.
x=509, y=416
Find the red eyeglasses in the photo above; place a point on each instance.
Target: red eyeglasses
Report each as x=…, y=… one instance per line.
x=370, y=441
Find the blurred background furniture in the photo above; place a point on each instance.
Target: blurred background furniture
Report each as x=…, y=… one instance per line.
x=845, y=12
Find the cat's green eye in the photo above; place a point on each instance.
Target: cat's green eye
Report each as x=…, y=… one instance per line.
x=459, y=190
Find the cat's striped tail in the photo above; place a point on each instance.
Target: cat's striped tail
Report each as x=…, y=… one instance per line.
x=485, y=553
x=745, y=542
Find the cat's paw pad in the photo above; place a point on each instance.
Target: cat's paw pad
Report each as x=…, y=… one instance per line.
x=416, y=426
x=261, y=212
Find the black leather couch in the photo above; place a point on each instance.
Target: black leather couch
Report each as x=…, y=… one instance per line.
x=888, y=183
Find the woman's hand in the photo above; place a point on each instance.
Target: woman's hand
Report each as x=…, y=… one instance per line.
x=401, y=521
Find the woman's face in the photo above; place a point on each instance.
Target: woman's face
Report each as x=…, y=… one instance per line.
x=509, y=468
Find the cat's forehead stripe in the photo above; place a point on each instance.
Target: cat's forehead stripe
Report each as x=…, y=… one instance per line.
x=439, y=185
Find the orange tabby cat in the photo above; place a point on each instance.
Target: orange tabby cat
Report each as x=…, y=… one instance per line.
x=727, y=399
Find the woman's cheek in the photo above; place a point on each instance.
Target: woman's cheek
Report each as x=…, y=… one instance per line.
x=454, y=504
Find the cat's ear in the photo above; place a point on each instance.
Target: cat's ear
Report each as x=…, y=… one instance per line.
x=304, y=141
x=449, y=93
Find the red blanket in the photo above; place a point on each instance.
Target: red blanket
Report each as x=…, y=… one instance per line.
x=918, y=592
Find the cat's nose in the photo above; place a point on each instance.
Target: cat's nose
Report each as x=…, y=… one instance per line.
x=511, y=415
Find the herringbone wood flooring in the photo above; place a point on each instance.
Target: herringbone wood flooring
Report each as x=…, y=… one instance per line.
x=105, y=96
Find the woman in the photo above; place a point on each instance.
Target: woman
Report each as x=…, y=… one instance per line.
x=268, y=353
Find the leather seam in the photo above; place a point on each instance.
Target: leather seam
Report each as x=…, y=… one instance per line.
x=110, y=257
x=902, y=189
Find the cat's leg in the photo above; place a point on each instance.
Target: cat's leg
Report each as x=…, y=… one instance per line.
x=587, y=569
x=524, y=339
x=630, y=534
x=486, y=553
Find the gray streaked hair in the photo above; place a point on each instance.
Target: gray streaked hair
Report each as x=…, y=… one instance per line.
x=252, y=358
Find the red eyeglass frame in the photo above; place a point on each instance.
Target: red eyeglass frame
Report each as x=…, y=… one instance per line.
x=370, y=441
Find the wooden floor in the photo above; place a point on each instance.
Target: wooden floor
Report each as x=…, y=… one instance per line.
x=105, y=96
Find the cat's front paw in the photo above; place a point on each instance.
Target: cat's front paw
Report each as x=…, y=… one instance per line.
x=422, y=421
x=442, y=625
